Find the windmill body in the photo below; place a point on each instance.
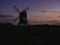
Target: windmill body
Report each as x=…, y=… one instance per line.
x=23, y=18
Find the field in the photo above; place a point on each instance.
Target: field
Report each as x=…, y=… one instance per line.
x=30, y=35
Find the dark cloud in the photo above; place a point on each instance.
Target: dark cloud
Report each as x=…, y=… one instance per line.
x=2, y=16
x=43, y=11
x=53, y=21
x=58, y=16
x=39, y=16
x=51, y=11
x=5, y=16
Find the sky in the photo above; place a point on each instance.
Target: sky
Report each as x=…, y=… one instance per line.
x=34, y=14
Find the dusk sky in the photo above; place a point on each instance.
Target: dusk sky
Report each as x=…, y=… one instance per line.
x=34, y=14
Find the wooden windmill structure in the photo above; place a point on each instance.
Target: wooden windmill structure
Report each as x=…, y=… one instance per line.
x=22, y=16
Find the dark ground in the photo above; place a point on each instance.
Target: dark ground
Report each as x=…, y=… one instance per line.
x=31, y=35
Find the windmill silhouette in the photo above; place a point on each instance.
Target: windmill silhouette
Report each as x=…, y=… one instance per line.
x=22, y=16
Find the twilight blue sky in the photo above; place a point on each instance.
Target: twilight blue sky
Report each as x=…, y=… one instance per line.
x=35, y=8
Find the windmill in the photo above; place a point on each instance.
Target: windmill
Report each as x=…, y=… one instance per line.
x=22, y=16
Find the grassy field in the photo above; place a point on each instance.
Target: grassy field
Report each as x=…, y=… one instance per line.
x=30, y=35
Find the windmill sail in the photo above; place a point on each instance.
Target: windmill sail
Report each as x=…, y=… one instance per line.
x=17, y=10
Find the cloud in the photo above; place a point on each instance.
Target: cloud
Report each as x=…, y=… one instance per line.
x=6, y=16
x=51, y=11
x=43, y=11
x=53, y=21
x=58, y=16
